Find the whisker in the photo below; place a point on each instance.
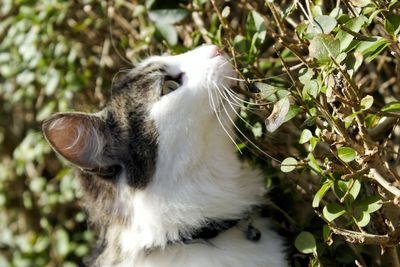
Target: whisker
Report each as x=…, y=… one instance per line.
x=255, y=80
x=234, y=94
x=245, y=136
x=235, y=79
x=226, y=97
x=219, y=119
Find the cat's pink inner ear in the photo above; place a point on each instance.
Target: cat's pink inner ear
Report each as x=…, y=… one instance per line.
x=76, y=137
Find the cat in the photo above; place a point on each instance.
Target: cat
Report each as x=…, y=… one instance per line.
x=162, y=181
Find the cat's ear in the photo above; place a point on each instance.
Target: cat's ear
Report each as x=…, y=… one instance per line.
x=78, y=137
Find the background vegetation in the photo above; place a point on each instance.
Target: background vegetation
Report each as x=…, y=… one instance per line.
x=322, y=81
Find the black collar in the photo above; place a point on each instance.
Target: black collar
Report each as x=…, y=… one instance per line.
x=210, y=230
x=215, y=227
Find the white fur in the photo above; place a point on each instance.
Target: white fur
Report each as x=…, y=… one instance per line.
x=198, y=176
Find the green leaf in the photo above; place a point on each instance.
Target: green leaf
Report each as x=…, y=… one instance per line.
x=311, y=89
x=305, y=136
x=293, y=111
x=270, y=92
x=313, y=143
x=392, y=23
x=323, y=47
x=371, y=120
x=332, y=211
x=278, y=115
x=169, y=33
x=373, y=47
x=305, y=243
x=312, y=162
x=347, y=154
x=349, y=119
x=300, y=29
x=258, y=21
x=363, y=219
x=340, y=187
x=321, y=193
x=240, y=43
x=288, y=164
x=355, y=187
x=360, y=3
x=370, y=204
x=321, y=24
x=305, y=75
x=366, y=102
x=393, y=107
x=336, y=12
x=326, y=232
x=167, y=16
x=353, y=61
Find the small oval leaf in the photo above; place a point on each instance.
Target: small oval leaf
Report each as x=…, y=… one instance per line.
x=288, y=164
x=366, y=102
x=305, y=136
x=347, y=154
x=305, y=243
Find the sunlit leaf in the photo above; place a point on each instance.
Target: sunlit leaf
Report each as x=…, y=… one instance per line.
x=355, y=188
x=366, y=102
x=332, y=211
x=363, y=219
x=392, y=23
x=169, y=33
x=305, y=75
x=288, y=164
x=347, y=154
x=305, y=136
x=312, y=162
x=305, y=243
x=360, y=3
x=393, y=107
x=370, y=204
x=323, y=47
x=321, y=193
x=371, y=120
x=321, y=24
x=373, y=47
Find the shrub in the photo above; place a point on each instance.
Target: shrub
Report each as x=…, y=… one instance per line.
x=321, y=81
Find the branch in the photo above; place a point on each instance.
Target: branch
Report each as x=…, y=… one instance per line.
x=389, y=240
x=375, y=175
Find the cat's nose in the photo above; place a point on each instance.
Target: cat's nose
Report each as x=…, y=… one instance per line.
x=211, y=51
x=217, y=51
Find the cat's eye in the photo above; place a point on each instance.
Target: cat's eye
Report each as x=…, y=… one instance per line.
x=171, y=84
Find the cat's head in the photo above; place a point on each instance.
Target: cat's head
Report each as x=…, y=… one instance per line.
x=160, y=113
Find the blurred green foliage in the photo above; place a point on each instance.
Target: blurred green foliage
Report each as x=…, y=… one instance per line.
x=321, y=76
